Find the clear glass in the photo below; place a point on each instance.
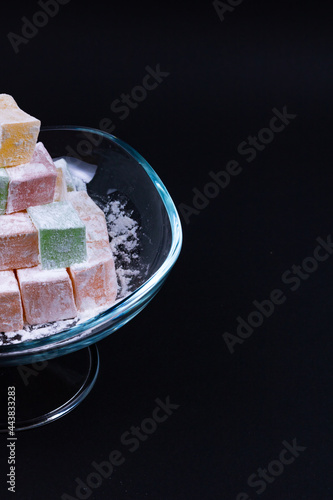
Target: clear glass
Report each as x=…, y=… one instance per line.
x=71, y=378
x=120, y=170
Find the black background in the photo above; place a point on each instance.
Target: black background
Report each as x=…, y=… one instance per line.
x=235, y=410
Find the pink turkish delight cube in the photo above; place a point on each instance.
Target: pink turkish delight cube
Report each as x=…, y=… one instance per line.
x=18, y=242
x=33, y=183
x=11, y=311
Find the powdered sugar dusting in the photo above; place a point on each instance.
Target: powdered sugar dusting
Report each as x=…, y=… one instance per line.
x=124, y=234
x=36, y=332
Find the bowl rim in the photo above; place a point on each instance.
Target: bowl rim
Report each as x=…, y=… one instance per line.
x=85, y=331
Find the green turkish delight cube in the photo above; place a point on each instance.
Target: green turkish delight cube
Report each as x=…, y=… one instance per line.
x=62, y=234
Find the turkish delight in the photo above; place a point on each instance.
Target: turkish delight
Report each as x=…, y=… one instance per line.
x=47, y=295
x=18, y=133
x=11, y=311
x=91, y=215
x=62, y=164
x=95, y=281
x=61, y=234
x=18, y=242
x=60, y=193
x=30, y=185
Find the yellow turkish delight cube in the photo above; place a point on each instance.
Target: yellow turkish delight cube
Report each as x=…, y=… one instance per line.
x=18, y=133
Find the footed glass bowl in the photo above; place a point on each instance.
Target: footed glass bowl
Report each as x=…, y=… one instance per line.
x=116, y=177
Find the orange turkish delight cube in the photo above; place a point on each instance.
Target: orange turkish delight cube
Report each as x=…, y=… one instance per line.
x=47, y=295
x=95, y=281
x=92, y=216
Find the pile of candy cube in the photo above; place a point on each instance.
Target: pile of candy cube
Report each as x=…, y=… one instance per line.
x=55, y=255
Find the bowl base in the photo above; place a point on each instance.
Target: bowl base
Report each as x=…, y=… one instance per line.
x=42, y=392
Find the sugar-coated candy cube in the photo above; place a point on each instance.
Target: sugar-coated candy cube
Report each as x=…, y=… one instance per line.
x=78, y=173
x=60, y=193
x=11, y=311
x=41, y=155
x=47, y=295
x=18, y=242
x=4, y=182
x=95, y=281
x=61, y=163
x=79, y=184
x=62, y=234
x=91, y=215
x=33, y=183
x=85, y=206
x=18, y=133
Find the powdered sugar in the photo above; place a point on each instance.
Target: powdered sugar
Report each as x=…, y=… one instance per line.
x=124, y=234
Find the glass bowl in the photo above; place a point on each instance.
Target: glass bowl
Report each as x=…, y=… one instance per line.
x=116, y=173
